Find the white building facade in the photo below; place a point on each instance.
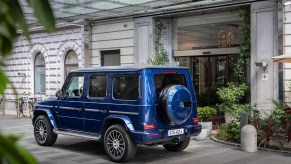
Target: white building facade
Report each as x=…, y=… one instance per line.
x=192, y=37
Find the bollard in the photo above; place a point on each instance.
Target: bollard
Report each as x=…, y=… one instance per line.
x=244, y=119
x=248, y=139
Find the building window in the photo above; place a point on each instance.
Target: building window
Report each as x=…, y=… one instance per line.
x=39, y=74
x=71, y=62
x=110, y=58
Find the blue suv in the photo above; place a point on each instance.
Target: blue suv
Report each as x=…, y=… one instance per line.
x=122, y=107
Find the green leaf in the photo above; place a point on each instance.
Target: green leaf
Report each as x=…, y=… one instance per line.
x=44, y=13
x=4, y=81
x=5, y=46
x=10, y=152
x=18, y=14
x=3, y=7
x=6, y=30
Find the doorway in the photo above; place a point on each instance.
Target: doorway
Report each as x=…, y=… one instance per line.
x=210, y=73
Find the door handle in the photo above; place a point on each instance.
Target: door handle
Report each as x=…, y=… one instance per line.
x=78, y=109
x=103, y=111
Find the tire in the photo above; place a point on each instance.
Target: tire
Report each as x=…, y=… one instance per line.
x=175, y=104
x=118, y=145
x=43, y=131
x=175, y=147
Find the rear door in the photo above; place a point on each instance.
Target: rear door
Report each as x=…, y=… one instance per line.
x=97, y=104
x=162, y=79
x=71, y=107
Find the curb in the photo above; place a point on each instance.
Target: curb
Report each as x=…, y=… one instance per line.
x=213, y=138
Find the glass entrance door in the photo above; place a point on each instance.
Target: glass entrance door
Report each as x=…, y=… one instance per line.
x=210, y=73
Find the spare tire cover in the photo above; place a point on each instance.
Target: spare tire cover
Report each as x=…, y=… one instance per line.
x=175, y=103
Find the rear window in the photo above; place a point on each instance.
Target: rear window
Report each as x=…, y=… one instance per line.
x=163, y=80
x=126, y=87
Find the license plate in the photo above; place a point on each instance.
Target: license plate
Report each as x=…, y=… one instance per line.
x=175, y=132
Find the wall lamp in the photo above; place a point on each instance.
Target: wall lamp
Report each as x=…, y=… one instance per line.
x=287, y=3
x=263, y=64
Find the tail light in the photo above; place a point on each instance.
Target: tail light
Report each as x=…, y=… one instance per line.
x=195, y=120
x=149, y=126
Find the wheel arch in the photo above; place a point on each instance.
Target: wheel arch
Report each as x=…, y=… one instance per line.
x=46, y=112
x=117, y=119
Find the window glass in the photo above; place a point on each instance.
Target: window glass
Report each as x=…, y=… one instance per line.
x=163, y=80
x=126, y=87
x=98, y=85
x=71, y=62
x=39, y=79
x=75, y=86
x=71, y=58
x=39, y=74
x=39, y=59
x=110, y=58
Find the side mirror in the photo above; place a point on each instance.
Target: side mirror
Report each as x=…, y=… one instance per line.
x=59, y=95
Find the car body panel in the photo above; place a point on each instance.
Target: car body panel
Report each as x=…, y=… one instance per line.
x=94, y=113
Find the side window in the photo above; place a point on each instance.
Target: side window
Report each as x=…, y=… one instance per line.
x=98, y=85
x=75, y=86
x=126, y=87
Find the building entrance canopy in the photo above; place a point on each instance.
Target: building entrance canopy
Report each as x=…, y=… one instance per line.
x=286, y=58
x=72, y=11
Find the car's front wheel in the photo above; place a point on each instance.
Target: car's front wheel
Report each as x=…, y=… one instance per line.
x=43, y=131
x=118, y=145
x=178, y=146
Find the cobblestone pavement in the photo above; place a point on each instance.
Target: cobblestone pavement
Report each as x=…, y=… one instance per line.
x=73, y=150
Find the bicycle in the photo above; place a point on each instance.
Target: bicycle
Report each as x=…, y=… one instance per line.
x=22, y=106
x=26, y=104
x=31, y=103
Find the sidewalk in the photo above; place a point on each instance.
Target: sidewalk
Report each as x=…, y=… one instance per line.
x=9, y=112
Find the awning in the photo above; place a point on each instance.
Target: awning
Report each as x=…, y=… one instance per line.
x=74, y=11
x=286, y=58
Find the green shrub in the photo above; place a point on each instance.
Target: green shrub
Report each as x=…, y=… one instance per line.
x=229, y=132
x=205, y=113
x=231, y=97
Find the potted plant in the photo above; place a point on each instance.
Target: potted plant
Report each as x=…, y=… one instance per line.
x=204, y=115
x=231, y=97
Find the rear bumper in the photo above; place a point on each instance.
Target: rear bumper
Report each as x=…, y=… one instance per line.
x=161, y=135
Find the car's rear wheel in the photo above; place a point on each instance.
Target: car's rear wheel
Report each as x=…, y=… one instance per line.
x=118, y=145
x=178, y=146
x=43, y=131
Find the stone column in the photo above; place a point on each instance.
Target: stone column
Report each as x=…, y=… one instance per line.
x=287, y=50
x=264, y=34
x=143, y=39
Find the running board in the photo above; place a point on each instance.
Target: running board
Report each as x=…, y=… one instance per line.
x=76, y=134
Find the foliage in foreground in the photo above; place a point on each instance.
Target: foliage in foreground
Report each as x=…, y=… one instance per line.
x=11, y=152
x=12, y=19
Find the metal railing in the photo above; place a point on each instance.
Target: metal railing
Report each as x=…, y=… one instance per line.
x=25, y=104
